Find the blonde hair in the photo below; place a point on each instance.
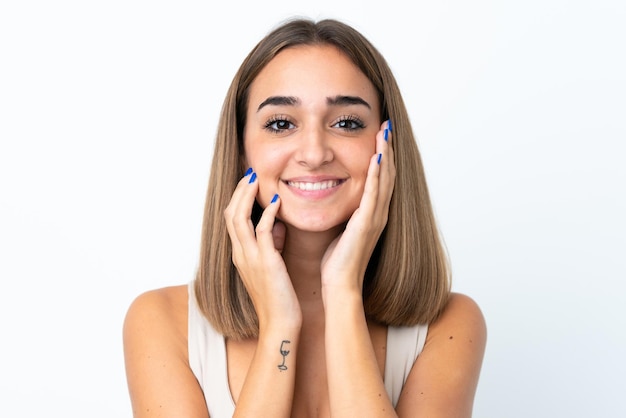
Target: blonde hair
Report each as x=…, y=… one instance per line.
x=407, y=281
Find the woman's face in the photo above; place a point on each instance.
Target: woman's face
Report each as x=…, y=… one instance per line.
x=310, y=134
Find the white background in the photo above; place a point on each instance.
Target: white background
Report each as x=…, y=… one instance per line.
x=107, y=117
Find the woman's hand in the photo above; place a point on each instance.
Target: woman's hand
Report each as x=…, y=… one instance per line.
x=346, y=259
x=355, y=383
x=256, y=254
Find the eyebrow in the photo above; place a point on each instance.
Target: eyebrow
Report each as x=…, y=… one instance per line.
x=332, y=101
x=279, y=101
x=347, y=100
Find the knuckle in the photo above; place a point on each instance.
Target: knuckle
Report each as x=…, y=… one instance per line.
x=262, y=229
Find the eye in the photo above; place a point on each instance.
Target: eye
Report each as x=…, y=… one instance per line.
x=279, y=123
x=349, y=123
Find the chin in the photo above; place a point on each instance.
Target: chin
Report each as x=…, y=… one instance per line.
x=315, y=223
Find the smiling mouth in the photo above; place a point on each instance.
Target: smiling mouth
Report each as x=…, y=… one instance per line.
x=311, y=186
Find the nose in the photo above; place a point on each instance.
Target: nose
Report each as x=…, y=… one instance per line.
x=314, y=148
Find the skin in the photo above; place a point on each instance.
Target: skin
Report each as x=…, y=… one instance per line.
x=304, y=265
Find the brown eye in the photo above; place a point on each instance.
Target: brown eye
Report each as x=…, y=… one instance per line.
x=282, y=124
x=277, y=124
x=349, y=123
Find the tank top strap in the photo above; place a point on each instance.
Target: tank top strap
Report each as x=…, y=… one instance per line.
x=404, y=344
x=207, y=360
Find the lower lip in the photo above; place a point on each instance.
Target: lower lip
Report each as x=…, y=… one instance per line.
x=314, y=194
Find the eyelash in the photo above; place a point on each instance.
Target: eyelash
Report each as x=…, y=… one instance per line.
x=275, y=120
x=355, y=123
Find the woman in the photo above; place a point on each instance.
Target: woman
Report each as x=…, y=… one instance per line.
x=323, y=287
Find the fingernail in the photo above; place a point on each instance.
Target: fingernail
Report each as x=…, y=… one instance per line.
x=380, y=157
x=248, y=172
x=386, y=134
x=275, y=198
x=389, y=125
x=252, y=178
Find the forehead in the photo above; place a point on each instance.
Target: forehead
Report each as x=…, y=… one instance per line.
x=310, y=72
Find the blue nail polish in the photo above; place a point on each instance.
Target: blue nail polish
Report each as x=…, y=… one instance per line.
x=389, y=125
x=386, y=134
x=252, y=178
x=248, y=172
x=380, y=157
x=275, y=198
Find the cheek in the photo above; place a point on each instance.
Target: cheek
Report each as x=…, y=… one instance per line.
x=359, y=159
x=266, y=160
x=256, y=155
x=269, y=164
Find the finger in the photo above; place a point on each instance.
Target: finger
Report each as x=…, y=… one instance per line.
x=362, y=216
x=382, y=180
x=383, y=157
x=265, y=227
x=376, y=170
x=384, y=147
x=387, y=170
x=238, y=193
x=240, y=202
x=237, y=213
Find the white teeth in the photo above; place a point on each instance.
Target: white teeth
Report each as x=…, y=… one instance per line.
x=322, y=185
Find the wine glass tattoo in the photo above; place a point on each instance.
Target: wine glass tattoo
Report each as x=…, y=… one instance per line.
x=284, y=353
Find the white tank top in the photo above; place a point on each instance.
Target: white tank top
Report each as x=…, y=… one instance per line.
x=207, y=359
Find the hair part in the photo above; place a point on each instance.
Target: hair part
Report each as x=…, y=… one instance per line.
x=407, y=281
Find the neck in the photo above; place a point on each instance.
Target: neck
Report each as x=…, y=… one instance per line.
x=303, y=252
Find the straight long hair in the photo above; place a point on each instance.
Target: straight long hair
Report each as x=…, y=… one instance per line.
x=407, y=281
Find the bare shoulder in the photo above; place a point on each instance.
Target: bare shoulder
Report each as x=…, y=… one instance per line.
x=158, y=311
x=156, y=324
x=444, y=378
x=171, y=295
x=163, y=301
x=461, y=316
x=160, y=381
